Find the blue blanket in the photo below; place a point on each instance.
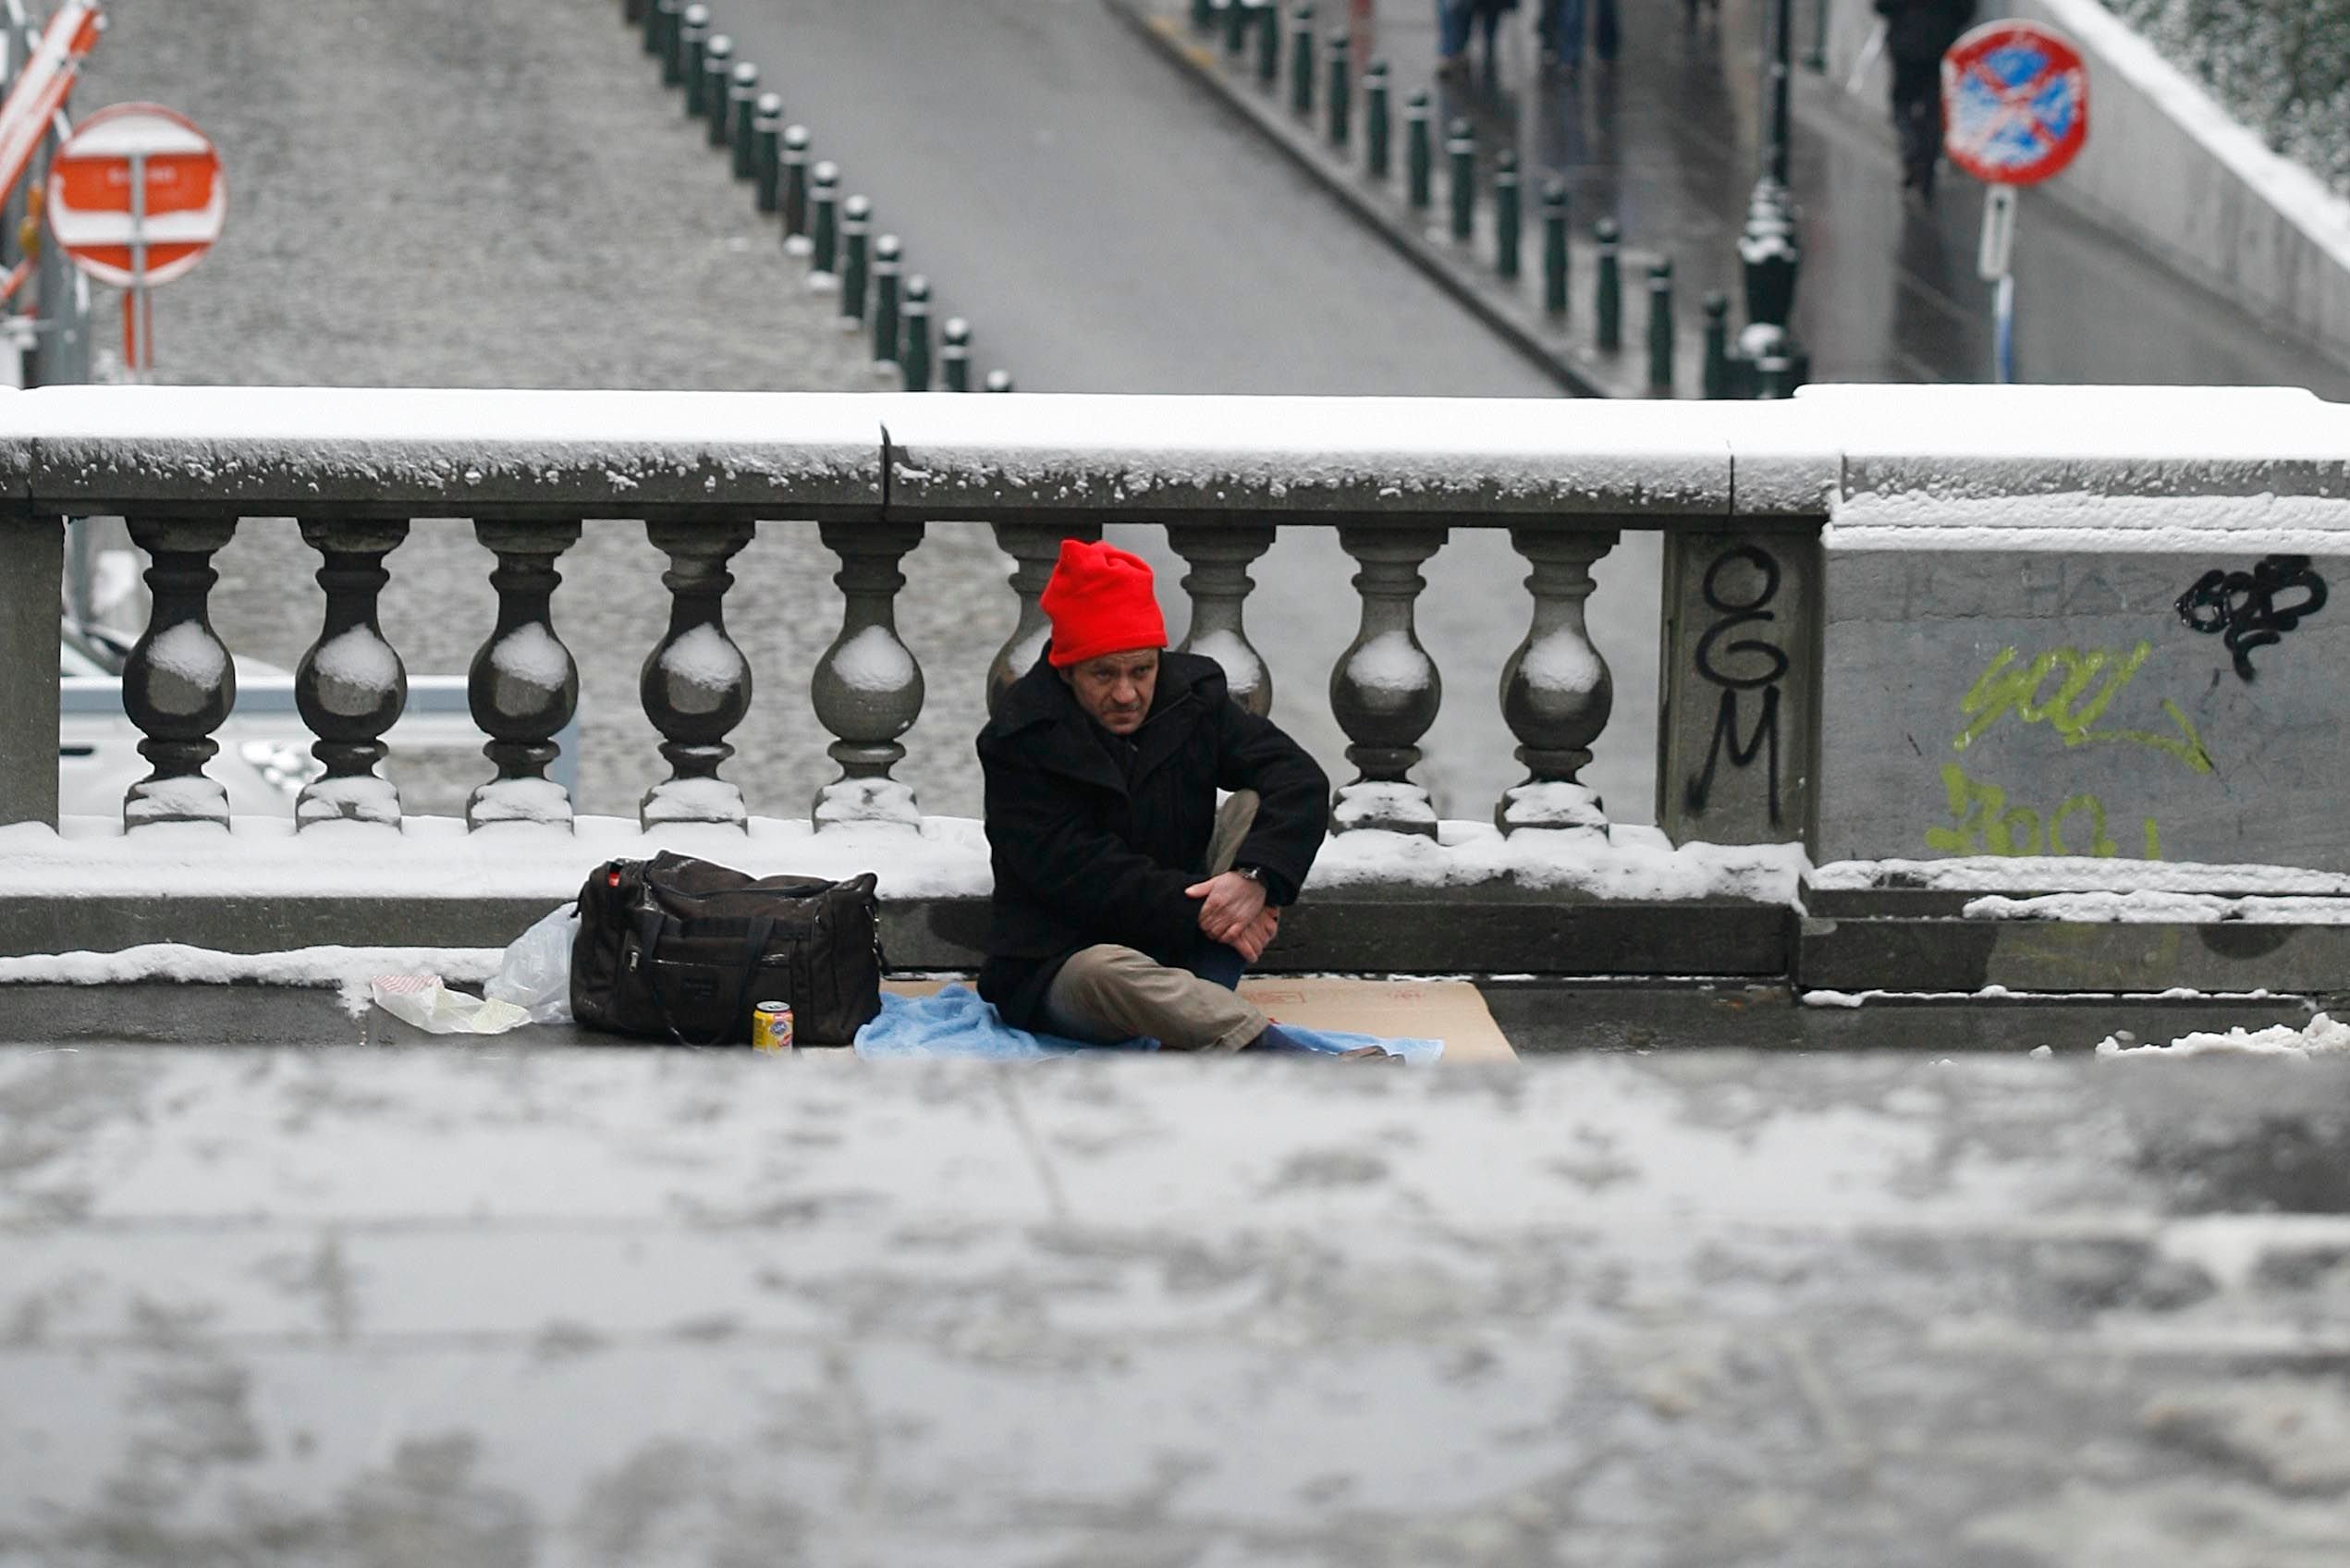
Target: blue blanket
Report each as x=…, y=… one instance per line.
x=955, y=1023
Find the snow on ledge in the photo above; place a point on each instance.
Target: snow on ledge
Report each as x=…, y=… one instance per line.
x=348, y=969
x=2151, y=907
x=2322, y=1036
x=1996, y=874
x=945, y=857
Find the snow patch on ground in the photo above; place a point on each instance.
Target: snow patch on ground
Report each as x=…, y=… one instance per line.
x=1628, y=864
x=349, y=970
x=2322, y=1036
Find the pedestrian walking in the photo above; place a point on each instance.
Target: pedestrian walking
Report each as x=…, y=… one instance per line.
x=1561, y=28
x=1454, y=19
x=1918, y=34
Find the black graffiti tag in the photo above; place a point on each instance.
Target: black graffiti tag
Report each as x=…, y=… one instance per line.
x=2242, y=604
x=1763, y=739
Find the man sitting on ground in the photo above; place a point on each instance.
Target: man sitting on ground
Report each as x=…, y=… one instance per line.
x=1125, y=903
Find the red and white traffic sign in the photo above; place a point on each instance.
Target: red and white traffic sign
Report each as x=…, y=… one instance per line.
x=136, y=197
x=2016, y=103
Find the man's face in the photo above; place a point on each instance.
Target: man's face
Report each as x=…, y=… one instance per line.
x=1115, y=690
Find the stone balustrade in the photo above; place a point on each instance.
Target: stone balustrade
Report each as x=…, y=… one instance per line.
x=702, y=473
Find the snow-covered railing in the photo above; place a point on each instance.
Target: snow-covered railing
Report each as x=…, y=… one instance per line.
x=1742, y=493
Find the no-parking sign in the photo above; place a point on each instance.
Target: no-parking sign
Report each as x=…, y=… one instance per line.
x=2016, y=103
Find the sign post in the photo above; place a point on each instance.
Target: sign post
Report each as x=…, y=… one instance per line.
x=2015, y=107
x=136, y=197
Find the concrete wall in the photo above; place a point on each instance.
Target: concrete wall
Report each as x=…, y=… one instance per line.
x=2166, y=168
x=2009, y=704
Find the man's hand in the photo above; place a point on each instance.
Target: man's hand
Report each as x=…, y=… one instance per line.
x=1250, y=944
x=1229, y=903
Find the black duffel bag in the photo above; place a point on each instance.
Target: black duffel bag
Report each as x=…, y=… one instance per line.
x=679, y=948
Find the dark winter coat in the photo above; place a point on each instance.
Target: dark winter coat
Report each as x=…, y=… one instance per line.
x=1093, y=836
x=1918, y=31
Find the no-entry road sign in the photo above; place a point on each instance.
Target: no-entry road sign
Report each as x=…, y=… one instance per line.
x=2016, y=103
x=136, y=197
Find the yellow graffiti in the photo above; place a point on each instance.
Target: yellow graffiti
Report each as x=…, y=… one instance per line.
x=2005, y=687
x=1987, y=825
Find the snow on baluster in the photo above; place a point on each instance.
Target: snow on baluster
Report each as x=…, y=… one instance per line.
x=867, y=688
x=696, y=684
x=524, y=685
x=1556, y=692
x=1385, y=690
x=178, y=684
x=350, y=686
x=1219, y=584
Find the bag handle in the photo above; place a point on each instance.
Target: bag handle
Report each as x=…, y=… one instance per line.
x=754, y=946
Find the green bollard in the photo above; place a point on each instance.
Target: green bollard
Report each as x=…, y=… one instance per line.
x=1717, y=371
x=795, y=190
x=1418, y=154
x=1378, y=131
x=767, y=150
x=693, y=34
x=685, y=46
x=1554, y=247
x=954, y=354
x=915, y=364
x=886, y=252
x=1341, y=91
x=1608, y=302
x=1302, y=62
x=1268, y=42
x=1505, y=216
x=856, y=223
x=999, y=381
x=1202, y=15
x=1460, y=154
x=742, y=106
x=1661, y=343
x=718, y=70
x=661, y=22
x=825, y=198
x=1235, y=28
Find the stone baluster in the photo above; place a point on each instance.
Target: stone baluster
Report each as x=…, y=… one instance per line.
x=1385, y=690
x=867, y=687
x=1034, y=549
x=178, y=684
x=524, y=685
x=1219, y=584
x=350, y=687
x=696, y=685
x=1556, y=692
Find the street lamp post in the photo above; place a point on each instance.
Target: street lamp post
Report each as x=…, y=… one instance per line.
x=1767, y=362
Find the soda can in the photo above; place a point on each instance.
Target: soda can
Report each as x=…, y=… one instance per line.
x=771, y=1026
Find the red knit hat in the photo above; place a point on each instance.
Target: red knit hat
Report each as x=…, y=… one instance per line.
x=1099, y=600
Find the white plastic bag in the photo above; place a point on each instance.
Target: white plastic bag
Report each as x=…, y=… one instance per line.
x=536, y=973
x=422, y=1000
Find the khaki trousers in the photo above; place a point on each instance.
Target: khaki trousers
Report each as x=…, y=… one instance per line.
x=1109, y=993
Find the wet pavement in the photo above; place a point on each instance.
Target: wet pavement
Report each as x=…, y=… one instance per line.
x=1668, y=139
x=510, y=1307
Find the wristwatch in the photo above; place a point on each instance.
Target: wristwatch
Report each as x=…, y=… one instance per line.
x=1251, y=873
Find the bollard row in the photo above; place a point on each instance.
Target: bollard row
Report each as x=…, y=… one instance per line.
x=1322, y=79
x=834, y=233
